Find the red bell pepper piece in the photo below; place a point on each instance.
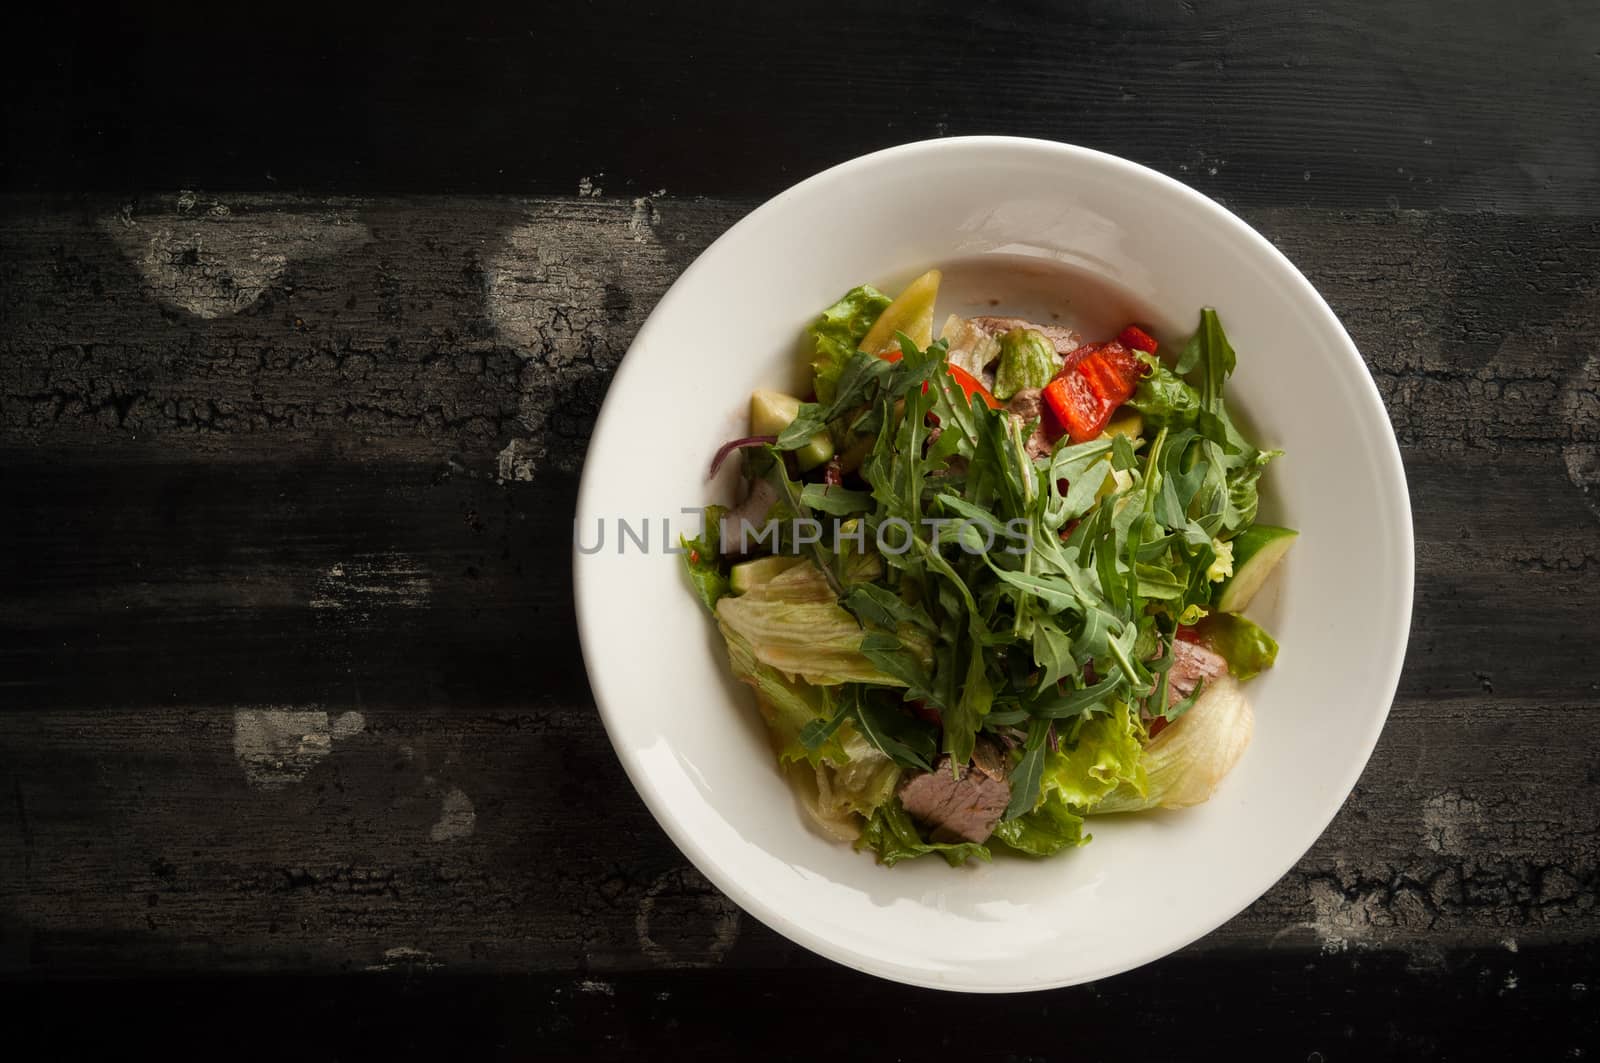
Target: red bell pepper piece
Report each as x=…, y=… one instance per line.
x=971, y=385
x=1137, y=338
x=1113, y=370
x=1096, y=379
x=1076, y=406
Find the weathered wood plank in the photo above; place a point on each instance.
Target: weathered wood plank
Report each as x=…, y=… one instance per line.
x=422, y=327
x=416, y=584
x=1359, y=103
x=287, y=566
x=222, y=837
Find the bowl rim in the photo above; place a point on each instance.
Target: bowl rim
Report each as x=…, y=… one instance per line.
x=1395, y=487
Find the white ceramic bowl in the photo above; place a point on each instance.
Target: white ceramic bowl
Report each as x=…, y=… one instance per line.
x=1125, y=240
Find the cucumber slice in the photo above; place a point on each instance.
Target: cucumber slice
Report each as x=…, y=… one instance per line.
x=1256, y=552
x=772, y=411
x=748, y=574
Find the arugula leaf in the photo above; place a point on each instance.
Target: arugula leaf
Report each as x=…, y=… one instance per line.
x=963, y=718
x=767, y=462
x=880, y=607
x=909, y=742
x=855, y=384
x=831, y=498
x=893, y=658
x=1052, y=649
x=820, y=730
x=1058, y=705
x=1028, y=771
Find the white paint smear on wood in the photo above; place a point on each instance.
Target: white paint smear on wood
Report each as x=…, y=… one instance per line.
x=457, y=817
x=516, y=461
x=703, y=924
x=364, y=583
x=210, y=261
x=1580, y=415
x=568, y=295
x=1337, y=920
x=404, y=956
x=277, y=747
x=1449, y=820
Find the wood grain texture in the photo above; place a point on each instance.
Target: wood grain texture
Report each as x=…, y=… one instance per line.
x=290, y=679
x=1469, y=106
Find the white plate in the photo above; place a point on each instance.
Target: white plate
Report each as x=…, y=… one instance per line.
x=1122, y=236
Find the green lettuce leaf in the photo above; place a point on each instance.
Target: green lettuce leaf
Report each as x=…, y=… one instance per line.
x=1106, y=754
x=1184, y=764
x=1164, y=398
x=702, y=559
x=1045, y=831
x=1248, y=649
x=837, y=332
x=789, y=707
x=863, y=783
x=1027, y=360
x=794, y=623
x=893, y=835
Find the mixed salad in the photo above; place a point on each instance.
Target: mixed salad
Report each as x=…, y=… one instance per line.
x=987, y=585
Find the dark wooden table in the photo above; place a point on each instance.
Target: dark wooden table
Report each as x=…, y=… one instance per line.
x=304, y=321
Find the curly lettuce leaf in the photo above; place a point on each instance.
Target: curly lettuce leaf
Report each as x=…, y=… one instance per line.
x=1185, y=763
x=893, y=835
x=789, y=707
x=838, y=331
x=863, y=783
x=1107, y=754
x=1027, y=360
x=794, y=623
x=1045, y=831
x=1165, y=399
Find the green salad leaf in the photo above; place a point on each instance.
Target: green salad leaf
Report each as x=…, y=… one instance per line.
x=1247, y=648
x=893, y=835
x=1049, y=828
x=1032, y=600
x=838, y=330
x=702, y=559
x=1027, y=360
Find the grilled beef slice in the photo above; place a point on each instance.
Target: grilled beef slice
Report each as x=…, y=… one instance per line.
x=960, y=807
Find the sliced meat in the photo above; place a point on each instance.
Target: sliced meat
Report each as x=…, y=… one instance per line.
x=964, y=807
x=1064, y=339
x=1191, y=662
x=1028, y=404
